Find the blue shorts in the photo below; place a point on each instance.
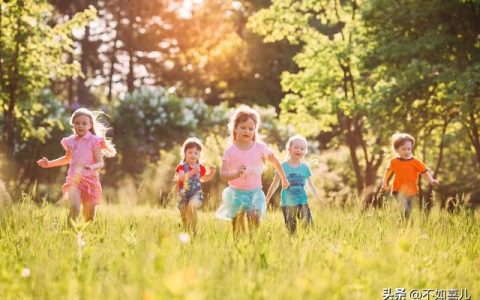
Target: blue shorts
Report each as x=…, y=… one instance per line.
x=236, y=201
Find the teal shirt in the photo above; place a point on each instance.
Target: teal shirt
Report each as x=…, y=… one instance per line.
x=297, y=177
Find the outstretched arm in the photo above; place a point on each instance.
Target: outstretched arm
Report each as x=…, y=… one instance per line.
x=313, y=189
x=273, y=187
x=430, y=178
x=276, y=164
x=211, y=173
x=61, y=161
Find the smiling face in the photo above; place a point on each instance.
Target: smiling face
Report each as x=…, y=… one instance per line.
x=245, y=131
x=192, y=155
x=82, y=124
x=405, y=150
x=297, y=149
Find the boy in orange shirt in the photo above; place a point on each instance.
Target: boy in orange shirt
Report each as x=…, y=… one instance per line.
x=406, y=169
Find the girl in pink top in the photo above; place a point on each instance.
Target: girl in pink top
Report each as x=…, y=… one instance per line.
x=84, y=152
x=242, y=167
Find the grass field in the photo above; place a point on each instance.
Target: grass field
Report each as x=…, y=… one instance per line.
x=139, y=253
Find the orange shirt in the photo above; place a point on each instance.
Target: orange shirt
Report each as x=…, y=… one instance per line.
x=406, y=173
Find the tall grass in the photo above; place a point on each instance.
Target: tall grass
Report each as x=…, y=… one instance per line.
x=136, y=253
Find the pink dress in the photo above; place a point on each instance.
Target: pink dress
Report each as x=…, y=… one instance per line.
x=244, y=193
x=85, y=180
x=252, y=159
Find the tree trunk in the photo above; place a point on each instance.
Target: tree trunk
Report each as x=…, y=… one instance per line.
x=474, y=135
x=131, y=75
x=112, y=66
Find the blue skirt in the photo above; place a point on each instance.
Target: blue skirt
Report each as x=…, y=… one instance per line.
x=236, y=201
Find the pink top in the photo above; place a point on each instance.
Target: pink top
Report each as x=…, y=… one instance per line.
x=253, y=159
x=81, y=149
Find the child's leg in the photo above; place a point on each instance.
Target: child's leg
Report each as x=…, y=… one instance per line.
x=74, y=196
x=289, y=215
x=191, y=216
x=304, y=215
x=88, y=211
x=253, y=217
x=238, y=224
x=405, y=203
x=408, y=207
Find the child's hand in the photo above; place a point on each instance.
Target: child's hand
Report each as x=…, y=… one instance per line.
x=384, y=187
x=89, y=167
x=241, y=171
x=212, y=169
x=195, y=170
x=285, y=184
x=43, y=162
x=434, y=182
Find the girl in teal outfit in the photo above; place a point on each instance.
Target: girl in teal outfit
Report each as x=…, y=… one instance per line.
x=294, y=199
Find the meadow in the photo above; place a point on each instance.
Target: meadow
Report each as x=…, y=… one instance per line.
x=140, y=252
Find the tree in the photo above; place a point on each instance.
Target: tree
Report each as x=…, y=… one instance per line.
x=334, y=91
x=31, y=54
x=430, y=55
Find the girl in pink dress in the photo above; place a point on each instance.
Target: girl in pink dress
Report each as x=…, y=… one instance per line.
x=242, y=166
x=84, y=153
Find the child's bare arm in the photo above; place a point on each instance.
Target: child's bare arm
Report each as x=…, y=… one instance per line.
x=387, y=175
x=276, y=164
x=211, y=173
x=313, y=189
x=430, y=178
x=229, y=175
x=99, y=163
x=273, y=187
x=61, y=161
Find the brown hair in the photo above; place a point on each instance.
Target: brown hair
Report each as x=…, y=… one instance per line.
x=398, y=139
x=242, y=114
x=191, y=142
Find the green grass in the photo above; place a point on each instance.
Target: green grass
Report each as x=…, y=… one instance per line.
x=136, y=253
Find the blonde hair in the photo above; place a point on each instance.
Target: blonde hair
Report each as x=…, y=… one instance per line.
x=294, y=138
x=400, y=138
x=191, y=142
x=242, y=114
x=98, y=128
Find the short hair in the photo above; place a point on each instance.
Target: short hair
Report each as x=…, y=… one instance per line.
x=191, y=142
x=398, y=139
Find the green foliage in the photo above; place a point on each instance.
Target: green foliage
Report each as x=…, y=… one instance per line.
x=153, y=119
x=31, y=55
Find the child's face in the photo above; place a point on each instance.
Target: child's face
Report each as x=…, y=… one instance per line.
x=81, y=125
x=245, y=131
x=297, y=149
x=192, y=155
x=405, y=150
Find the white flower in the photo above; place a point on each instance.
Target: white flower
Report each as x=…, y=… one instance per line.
x=80, y=241
x=183, y=238
x=25, y=272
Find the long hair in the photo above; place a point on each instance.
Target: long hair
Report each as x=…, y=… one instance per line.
x=98, y=128
x=294, y=138
x=242, y=114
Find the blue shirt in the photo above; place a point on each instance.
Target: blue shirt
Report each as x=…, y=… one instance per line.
x=297, y=177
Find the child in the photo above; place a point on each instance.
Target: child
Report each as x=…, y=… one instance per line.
x=294, y=200
x=190, y=174
x=242, y=167
x=406, y=169
x=84, y=153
